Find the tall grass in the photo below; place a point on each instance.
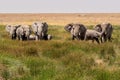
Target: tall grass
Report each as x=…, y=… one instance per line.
x=60, y=58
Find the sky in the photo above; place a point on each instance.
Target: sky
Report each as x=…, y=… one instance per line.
x=59, y=6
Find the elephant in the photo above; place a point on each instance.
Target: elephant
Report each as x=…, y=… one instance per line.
x=32, y=37
x=77, y=30
x=40, y=30
x=23, y=32
x=93, y=35
x=11, y=29
x=47, y=37
x=106, y=29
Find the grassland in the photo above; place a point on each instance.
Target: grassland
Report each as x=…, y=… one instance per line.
x=60, y=19
x=60, y=58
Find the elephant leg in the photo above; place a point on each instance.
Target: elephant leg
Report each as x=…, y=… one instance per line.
x=82, y=37
x=109, y=39
x=27, y=38
x=21, y=38
x=36, y=37
x=73, y=37
x=77, y=37
x=85, y=38
x=45, y=37
x=18, y=37
x=97, y=40
x=101, y=39
x=92, y=40
x=105, y=38
x=13, y=37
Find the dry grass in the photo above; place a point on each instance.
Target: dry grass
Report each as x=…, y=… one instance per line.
x=60, y=19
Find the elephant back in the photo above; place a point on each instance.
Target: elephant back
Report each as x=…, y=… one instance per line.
x=20, y=30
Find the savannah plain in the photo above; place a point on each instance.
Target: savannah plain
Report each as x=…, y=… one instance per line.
x=59, y=58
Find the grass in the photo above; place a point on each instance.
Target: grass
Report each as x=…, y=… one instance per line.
x=60, y=58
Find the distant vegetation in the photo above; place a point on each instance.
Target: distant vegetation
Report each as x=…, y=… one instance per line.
x=60, y=58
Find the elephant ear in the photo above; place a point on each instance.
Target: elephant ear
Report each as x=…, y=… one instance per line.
x=82, y=28
x=98, y=28
x=45, y=24
x=45, y=27
x=68, y=27
x=8, y=28
x=109, y=26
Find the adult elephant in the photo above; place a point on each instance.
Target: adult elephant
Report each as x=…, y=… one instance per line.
x=106, y=29
x=77, y=30
x=23, y=32
x=11, y=29
x=40, y=30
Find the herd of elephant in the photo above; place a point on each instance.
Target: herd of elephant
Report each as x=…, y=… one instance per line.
x=24, y=32
x=100, y=32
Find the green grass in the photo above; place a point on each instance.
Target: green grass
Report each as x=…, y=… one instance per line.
x=60, y=58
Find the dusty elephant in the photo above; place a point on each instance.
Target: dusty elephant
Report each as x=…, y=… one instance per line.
x=11, y=29
x=23, y=32
x=40, y=30
x=77, y=30
x=106, y=29
x=93, y=35
x=47, y=37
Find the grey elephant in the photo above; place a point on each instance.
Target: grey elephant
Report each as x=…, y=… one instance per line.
x=32, y=37
x=23, y=32
x=106, y=29
x=40, y=30
x=93, y=35
x=77, y=30
x=11, y=29
x=47, y=37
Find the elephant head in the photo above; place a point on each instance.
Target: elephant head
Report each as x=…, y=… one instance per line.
x=77, y=30
x=68, y=27
x=12, y=30
x=40, y=29
x=98, y=28
x=106, y=29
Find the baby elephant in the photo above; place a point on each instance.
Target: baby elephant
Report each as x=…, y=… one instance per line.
x=47, y=37
x=92, y=35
